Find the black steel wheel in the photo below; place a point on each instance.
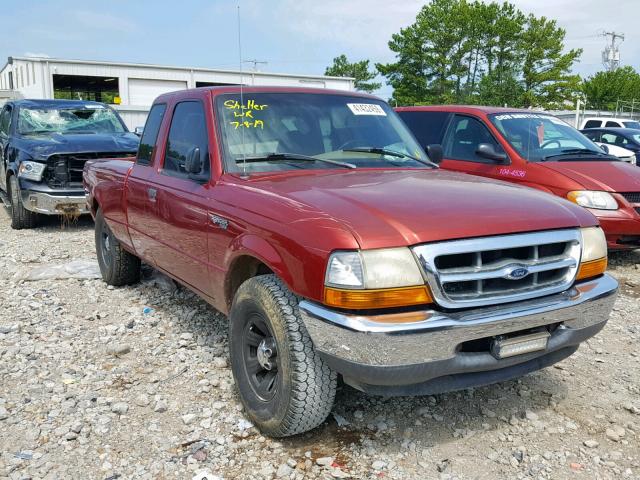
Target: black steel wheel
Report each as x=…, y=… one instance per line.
x=284, y=385
x=117, y=266
x=260, y=357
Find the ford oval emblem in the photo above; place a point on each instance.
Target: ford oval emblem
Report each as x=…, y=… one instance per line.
x=517, y=273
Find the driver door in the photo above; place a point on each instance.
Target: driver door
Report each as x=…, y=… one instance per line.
x=460, y=145
x=5, y=128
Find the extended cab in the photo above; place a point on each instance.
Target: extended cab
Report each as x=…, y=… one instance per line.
x=537, y=150
x=318, y=224
x=44, y=145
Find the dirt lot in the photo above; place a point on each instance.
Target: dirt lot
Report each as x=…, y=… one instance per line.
x=95, y=385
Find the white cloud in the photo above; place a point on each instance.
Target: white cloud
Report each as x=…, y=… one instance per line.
x=362, y=25
x=36, y=55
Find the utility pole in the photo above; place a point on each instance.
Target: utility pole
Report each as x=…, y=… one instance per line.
x=611, y=53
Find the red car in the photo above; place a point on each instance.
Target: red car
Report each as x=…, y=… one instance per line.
x=318, y=224
x=537, y=150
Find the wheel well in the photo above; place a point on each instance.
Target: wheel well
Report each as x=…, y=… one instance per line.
x=94, y=206
x=242, y=269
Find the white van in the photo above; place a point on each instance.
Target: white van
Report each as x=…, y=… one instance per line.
x=609, y=122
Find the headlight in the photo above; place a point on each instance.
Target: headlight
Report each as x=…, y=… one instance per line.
x=31, y=170
x=374, y=279
x=597, y=200
x=594, y=253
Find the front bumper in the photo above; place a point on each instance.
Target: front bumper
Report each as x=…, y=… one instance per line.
x=42, y=199
x=424, y=352
x=621, y=227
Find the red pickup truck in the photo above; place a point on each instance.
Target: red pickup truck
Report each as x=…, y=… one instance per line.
x=537, y=150
x=318, y=224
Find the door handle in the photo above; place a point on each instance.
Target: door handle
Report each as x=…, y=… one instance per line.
x=152, y=192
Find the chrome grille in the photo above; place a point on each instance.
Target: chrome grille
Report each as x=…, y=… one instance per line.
x=500, y=269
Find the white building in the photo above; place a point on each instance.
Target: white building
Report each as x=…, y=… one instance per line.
x=132, y=87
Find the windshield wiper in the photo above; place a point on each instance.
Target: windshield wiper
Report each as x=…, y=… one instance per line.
x=278, y=157
x=391, y=153
x=576, y=151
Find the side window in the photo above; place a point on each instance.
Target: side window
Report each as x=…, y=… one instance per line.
x=5, y=120
x=427, y=127
x=613, y=139
x=465, y=134
x=188, y=131
x=592, y=124
x=593, y=136
x=150, y=134
x=612, y=124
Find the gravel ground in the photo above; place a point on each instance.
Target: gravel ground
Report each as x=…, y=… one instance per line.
x=104, y=383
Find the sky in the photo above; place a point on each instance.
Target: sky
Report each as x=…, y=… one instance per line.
x=292, y=36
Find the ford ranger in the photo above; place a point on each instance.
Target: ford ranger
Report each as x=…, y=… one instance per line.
x=537, y=150
x=44, y=145
x=317, y=223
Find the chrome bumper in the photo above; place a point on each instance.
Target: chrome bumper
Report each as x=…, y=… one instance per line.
x=53, y=204
x=381, y=348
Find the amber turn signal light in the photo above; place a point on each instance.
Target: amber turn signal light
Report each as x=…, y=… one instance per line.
x=592, y=269
x=371, y=299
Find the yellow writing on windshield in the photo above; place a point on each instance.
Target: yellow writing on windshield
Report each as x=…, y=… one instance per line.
x=247, y=124
x=249, y=105
x=243, y=112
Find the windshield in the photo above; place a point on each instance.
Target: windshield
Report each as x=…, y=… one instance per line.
x=87, y=119
x=538, y=137
x=635, y=125
x=267, y=132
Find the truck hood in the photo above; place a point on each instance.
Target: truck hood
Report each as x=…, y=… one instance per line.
x=600, y=175
x=40, y=147
x=384, y=208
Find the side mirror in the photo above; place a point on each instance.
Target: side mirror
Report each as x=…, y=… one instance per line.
x=435, y=153
x=605, y=148
x=193, y=162
x=138, y=131
x=486, y=150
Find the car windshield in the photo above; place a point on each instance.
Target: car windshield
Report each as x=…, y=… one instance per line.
x=538, y=137
x=86, y=119
x=632, y=124
x=265, y=132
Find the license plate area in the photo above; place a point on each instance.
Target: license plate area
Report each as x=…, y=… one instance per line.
x=505, y=347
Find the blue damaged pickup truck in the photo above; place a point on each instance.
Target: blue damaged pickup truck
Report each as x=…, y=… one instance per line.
x=44, y=145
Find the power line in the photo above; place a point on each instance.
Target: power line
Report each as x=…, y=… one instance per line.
x=611, y=53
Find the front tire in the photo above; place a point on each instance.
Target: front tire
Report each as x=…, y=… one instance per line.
x=117, y=266
x=20, y=217
x=284, y=385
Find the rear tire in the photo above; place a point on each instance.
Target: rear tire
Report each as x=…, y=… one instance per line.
x=20, y=217
x=117, y=266
x=289, y=390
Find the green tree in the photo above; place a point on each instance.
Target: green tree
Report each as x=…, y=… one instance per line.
x=474, y=52
x=432, y=54
x=341, y=67
x=546, y=70
x=604, y=89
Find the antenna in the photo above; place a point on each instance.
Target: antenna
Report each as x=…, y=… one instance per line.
x=244, y=154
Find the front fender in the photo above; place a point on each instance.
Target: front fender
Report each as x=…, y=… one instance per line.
x=259, y=248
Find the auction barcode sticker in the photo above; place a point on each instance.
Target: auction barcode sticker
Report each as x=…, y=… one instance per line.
x=366, y=109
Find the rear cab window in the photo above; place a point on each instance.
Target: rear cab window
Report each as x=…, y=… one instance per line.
x=150, y=134
x=592, y=124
